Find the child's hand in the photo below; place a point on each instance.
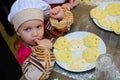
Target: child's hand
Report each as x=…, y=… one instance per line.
x=57, y=12
x=45, y=43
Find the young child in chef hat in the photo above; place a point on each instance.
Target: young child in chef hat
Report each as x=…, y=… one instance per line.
x=34, y=53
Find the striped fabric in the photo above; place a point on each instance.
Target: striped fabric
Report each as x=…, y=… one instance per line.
x=39, y=65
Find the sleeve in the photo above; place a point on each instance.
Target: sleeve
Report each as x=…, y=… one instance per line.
x=23, y=53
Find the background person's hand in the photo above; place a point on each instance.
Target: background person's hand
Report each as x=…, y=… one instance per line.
x=68, y=6
x=57, y=12
x=74, y=2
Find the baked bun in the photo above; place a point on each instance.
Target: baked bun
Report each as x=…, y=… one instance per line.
x=64, y=24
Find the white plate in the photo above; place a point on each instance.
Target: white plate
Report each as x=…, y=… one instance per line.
x=81, y=35
x=103, y=6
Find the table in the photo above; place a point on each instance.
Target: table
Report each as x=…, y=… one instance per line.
x=83, y=22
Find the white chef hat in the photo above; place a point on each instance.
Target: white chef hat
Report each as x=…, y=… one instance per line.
x=24, y=10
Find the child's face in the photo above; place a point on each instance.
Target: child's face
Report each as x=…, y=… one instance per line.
x=30, y=31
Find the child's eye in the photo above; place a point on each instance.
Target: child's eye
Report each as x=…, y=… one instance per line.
x=39, y=27
x=27, y=29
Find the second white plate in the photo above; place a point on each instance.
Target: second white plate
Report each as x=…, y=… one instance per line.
x=103, y=6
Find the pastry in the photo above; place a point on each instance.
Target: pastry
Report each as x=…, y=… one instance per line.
x=61, y=43
x=91, y=40
x=91, y=54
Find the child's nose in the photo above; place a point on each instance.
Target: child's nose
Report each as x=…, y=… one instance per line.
x=35, y=33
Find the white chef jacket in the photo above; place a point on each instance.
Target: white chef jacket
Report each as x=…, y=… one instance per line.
x=55, y=1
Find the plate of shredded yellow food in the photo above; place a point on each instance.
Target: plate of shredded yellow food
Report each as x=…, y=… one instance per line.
x=107, y=16
x=78, y=51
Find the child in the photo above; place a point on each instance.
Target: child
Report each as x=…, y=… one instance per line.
x=34, y=53
x=27, y=18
